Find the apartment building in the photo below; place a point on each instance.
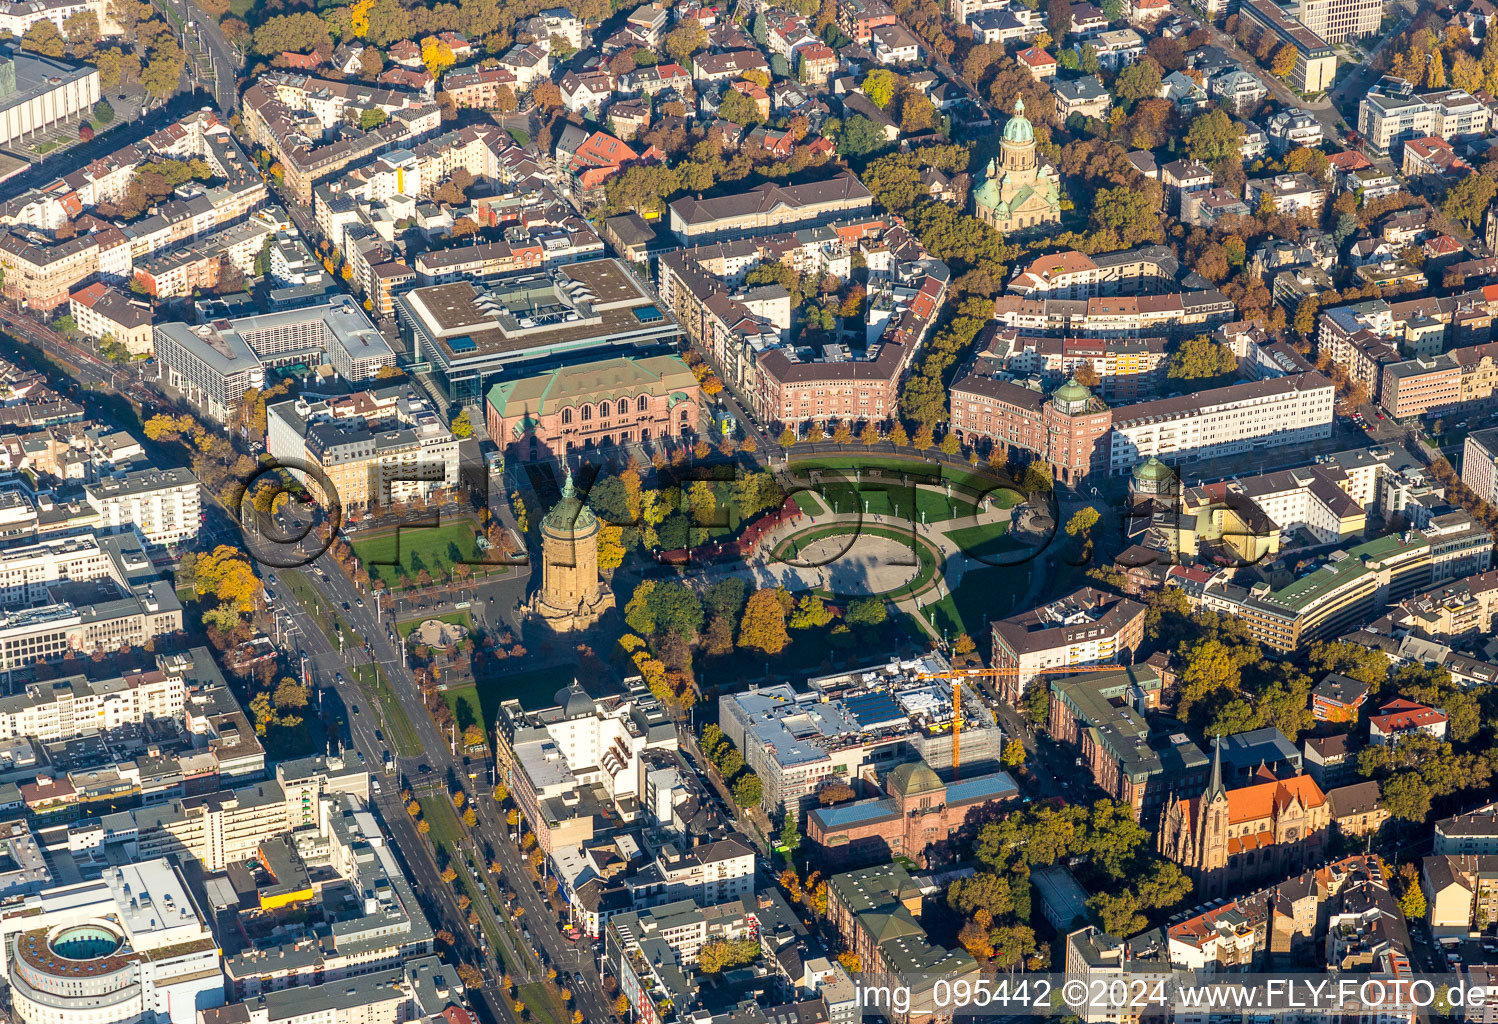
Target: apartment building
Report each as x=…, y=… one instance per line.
x=106, y=314
x=1293, y=409
x=1460, y=608
x=1480, y=463
x=1336, y=20
x=1391, y=112
x=1315, y=61
x=1087, y=627
x=1171, y=315
x=1127, y=369
x=164, y=504
x=213, y=369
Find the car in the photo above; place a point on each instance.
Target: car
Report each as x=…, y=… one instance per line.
x=355, y=708
x=338, y=677
x=424, y=768
x=359, y=602
x=378, y=736
x=345, y=606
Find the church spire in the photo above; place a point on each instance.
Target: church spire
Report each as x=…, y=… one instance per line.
x=1214, y=786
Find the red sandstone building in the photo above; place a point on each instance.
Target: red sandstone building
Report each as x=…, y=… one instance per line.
x=594, y=405
x=1068, y=429
x=918, y=819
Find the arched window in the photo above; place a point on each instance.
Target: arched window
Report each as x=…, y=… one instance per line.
x=587, y=413
x=603, y=410
x=683, y=415
x=566, y=417
x=623, y=406
x=641, y=404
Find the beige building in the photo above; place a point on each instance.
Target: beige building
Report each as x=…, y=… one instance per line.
x=1336, y=20
x=106, y=314
x=1460, y=891
x=768, y=207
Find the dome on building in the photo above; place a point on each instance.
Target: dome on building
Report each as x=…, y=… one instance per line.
x=1019, y=129
x=569, y=514
x=1072, y=393
x=574, y=701
x=913, y=779
x=1152, y=470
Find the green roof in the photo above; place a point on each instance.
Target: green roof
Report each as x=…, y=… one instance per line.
x=610, y=379
x=1317, y=583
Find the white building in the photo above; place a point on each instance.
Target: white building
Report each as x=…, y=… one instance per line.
x=131, y=946
x=1480, y=464
x=213, y=370
x=1288, y=410
x=164, y=504
x=72, y=707
x=37, y=92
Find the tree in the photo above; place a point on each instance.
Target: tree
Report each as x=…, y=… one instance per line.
x=763, y=625
x=1014, y=753
x=163, y=73
x=858, y=136
x=788, y=438
x=1214, y=138
x=811, y=613
x=1282, y=65
x=462, y=426
x=865, y=611
x=1036, y=705
x=1083, y=520
x=1469, y=199
x=1413, y=902
x=835, y=792
x=621, y=1004
x=44, y=38
x=1199, y=358
x=1037, y=479
x=1138, y=81
x=748, y=790
x=437, y=56
x=685, y=40
x=1406, y=796
x=879, y=86
x=1058, y=13
x=740, y=108
x=790, y=835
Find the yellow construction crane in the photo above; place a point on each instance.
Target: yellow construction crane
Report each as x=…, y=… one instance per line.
x=957, y=675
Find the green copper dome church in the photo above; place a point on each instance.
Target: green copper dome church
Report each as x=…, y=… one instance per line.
x=1018, y=194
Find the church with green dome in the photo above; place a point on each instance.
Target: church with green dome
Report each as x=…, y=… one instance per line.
x=1018, y=193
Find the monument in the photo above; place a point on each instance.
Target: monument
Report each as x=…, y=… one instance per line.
x=571, y=597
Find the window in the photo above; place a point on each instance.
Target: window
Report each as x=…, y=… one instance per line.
x=641, y=404
x=566, y=417
x=623, y=406
x=603, y=410
x=683, y=415
x=587, y=413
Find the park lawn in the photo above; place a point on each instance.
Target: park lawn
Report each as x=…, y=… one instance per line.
x=972, y=482
x=389, y=553
x=479, y=702
x=808, y=502
x=890, y=499
x=401, y=733
x=458, y=618
x=982, y=596
x=984, y=541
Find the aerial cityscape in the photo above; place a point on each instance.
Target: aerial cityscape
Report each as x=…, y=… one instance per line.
x=781, y=512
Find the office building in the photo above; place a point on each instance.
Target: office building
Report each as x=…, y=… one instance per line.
x=850, y=723
x=37, y=92
x=1315, y=61
x=373, y=447
x=163, y=504
x=475, y=335
x=128, y=946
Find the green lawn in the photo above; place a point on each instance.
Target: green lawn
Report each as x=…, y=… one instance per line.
x=809, y=503
x=398, y=728
x=971, y=482
x=446, y=830
x=891, y=499
x=389, y=554
x=479, y=702
x=459, y=618
x=984, y=541
x=982, y=596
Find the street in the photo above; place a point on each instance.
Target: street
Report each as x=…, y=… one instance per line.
x=491, y=831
